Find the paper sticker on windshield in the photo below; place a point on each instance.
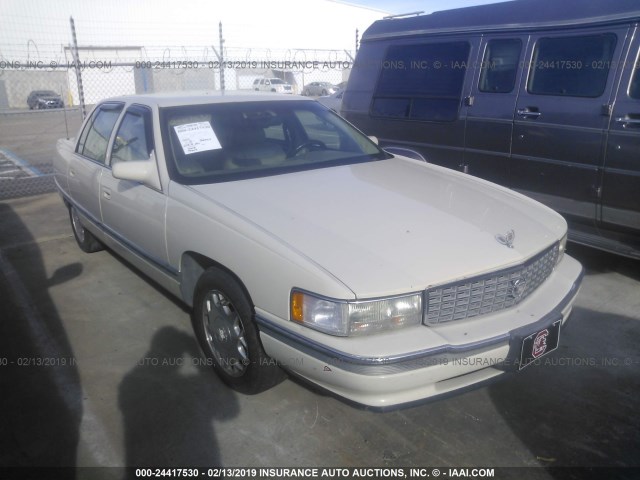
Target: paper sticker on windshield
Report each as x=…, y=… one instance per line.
x=197, y=137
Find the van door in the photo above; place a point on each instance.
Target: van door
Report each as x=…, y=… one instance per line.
x=621, y=176
x=491, y=106
x=561, y=118
x=417, y=101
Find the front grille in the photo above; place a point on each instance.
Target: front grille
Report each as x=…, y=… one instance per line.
x=488, y=293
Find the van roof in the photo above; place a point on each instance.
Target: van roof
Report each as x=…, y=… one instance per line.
x=512, y=15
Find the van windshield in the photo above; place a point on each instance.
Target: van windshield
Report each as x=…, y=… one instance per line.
x=233, y=141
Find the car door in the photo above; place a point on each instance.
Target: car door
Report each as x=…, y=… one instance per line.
x=133, y=212
x=86, y=164
x=621, y=174
x=561, y=118
x=491, y=106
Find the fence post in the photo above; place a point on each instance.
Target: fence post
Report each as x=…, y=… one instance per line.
x=221, y=58
x=76, y=63
x=357, y=39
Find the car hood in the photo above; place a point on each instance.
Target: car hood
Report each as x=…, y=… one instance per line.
x=393, y=226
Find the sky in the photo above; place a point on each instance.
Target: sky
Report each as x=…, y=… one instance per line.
x=39, y=29
x=407, y=6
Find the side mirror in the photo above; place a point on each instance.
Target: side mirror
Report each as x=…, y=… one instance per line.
x=143, y=171
x=373, y=139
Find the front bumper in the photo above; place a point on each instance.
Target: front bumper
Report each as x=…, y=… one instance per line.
x=383, y=381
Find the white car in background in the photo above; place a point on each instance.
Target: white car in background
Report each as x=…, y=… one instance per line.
x=319, y=89
x=275, y=85
x=333, y=101
x=301, y=246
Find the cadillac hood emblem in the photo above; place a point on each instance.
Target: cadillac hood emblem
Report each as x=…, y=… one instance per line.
x=517, y=289
x=506, y=239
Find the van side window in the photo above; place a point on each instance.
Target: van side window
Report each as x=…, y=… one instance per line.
x=572, y=66
x=500, y=65
x=422, y=82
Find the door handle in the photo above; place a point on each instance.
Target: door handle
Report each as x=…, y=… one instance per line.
x=630, y=120
x=106, y=194
x=528, y=112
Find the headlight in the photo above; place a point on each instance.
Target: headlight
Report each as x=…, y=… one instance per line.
x=344, y=318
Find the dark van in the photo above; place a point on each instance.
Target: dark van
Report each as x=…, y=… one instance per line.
x=537, y=95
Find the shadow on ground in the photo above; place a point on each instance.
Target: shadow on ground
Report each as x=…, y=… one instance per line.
x=169, y=402
x=41, y=400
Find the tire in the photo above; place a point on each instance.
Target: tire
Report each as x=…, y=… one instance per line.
x=223, y=322
x=85, y=239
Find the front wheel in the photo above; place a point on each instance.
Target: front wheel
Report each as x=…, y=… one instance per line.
x=223, y=323
x=85, y=239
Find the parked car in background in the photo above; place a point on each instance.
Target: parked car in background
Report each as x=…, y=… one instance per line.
x=271, y=85
x=319, y=88
x=333, y=101
x=301, y=245
x=542, y=97
x=40, y=99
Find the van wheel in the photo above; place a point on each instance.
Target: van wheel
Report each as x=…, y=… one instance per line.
x=223, y=323
x=85, y=239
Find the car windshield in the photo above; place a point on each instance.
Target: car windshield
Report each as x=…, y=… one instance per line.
x=46, y=93
x=232, y=141
x=277, y=81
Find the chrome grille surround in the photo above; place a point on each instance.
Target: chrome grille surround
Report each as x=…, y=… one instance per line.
x=488, y=293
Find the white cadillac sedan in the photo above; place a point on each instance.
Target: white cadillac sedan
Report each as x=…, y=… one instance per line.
x=301, y=246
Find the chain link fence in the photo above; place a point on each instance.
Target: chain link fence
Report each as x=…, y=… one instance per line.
x=46, y=89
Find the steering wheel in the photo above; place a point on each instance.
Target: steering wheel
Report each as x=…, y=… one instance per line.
x=311, y=145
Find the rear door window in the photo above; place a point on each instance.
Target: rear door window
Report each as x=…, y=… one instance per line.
x=422, y=81
x=576, y=66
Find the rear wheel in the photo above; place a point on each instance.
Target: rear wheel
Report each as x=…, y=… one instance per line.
x=85, y=239
x=223, y=323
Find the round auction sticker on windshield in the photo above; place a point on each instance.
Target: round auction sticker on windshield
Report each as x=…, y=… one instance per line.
x=197, y=137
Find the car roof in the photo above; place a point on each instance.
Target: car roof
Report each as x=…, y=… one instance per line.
x=512, y=15
x=162, y=100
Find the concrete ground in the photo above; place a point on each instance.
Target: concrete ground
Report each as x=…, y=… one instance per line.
x=99, y=367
